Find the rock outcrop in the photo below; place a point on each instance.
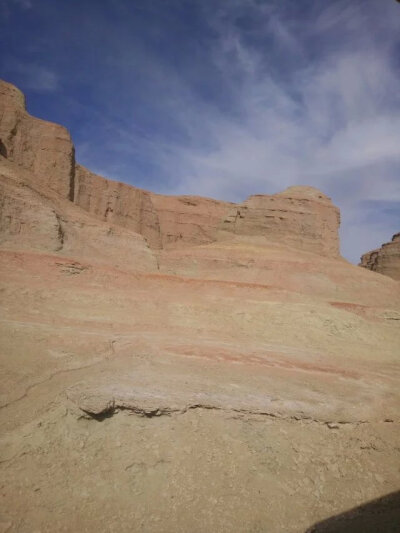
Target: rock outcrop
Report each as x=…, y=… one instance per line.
x=385, y=260
x=117, y=203
x=300, y=217
x=131, y=320
x=42, y=147
x=188, y=220
x=164, y=221
x=33, y=217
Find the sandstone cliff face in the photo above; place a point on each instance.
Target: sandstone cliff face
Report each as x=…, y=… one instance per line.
x=130, y=320
x=300, y=217
x=385, y=260
x=164, y=221
x=117, y=203
x=25, y=219
x=188, y=220
x=35, y=219
x=42, y=147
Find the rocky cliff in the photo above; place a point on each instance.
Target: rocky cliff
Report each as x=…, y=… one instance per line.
x=131, y=320
x=385, y=260
x=164, y=221
x=301, y=217
x=33, y=217
x=42, y=147
x=117, y=203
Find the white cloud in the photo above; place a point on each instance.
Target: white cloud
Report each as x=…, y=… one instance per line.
x=343, y=120
x=333, y=122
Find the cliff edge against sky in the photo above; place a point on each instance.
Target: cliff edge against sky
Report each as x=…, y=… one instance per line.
x=193, y=365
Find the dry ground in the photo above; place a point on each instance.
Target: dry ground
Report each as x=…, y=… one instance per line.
x=162, y=403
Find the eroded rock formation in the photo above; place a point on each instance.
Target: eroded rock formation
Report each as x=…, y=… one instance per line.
x=164, y=221
x=34, y=217
x=117, y=203
x=300, y=217
x=385, y=260
x=193, y=365
x=42, y=147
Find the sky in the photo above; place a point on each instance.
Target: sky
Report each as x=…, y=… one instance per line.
x=223, y=98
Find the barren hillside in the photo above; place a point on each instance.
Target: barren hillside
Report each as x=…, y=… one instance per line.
x=176, y=364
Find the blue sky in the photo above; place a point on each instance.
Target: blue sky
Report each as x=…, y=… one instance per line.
x=223, y=98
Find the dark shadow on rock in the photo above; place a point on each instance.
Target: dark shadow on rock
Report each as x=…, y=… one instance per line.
x=377, y=516
x=3, y=149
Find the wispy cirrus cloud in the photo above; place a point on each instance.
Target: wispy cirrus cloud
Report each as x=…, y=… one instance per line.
x=227, y=99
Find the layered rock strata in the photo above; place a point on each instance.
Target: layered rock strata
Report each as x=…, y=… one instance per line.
x=301, y=217
x=33, y=217
x=164, y=221
x=117, y=203
x=385, y=260
x=42, y=147
x=192, y=368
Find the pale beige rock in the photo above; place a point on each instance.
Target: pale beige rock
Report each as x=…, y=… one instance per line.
x=234, y=392
x=257, y=260
x=32, y=218
x=118, y=203
x=300, y=217
x=188, y=220
x=385, y=260
x=164, y=221
x=42, y=147
x=161, y=371
x=26, y=221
